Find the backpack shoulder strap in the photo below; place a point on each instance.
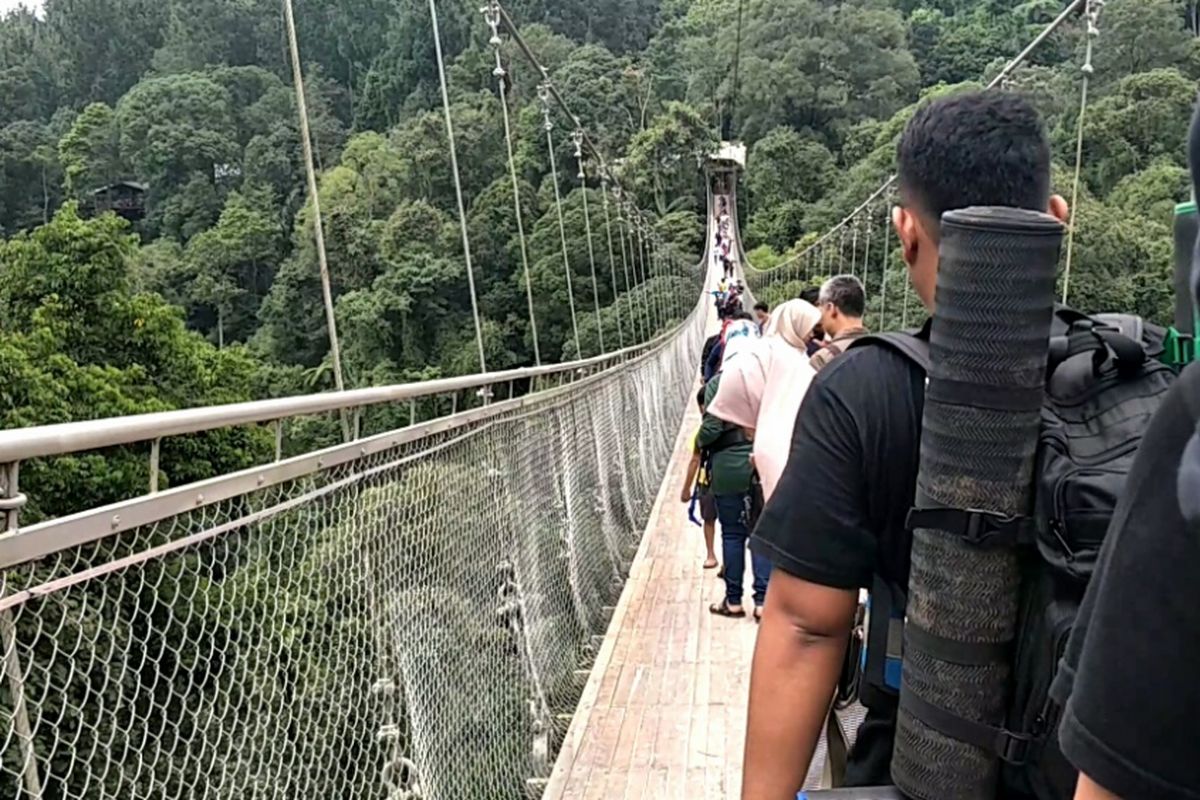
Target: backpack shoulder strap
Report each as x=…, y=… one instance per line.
x=914, y=346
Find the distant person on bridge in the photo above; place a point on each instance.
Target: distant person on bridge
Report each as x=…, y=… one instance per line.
x=843, y=302
x=731, y=478
x=761, y=390
x=837, y=520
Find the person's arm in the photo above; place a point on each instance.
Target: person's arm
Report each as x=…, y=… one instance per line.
x=1090, y=790
x=711, y=429
x=797, y=661
x=817, y=533
x=685, y=495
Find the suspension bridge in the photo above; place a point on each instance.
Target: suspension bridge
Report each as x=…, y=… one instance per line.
x=501, y=601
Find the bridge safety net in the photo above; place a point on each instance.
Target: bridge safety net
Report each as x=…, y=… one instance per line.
x=411, y=622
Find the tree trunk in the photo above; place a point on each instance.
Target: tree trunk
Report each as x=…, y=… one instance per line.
x=220, y=329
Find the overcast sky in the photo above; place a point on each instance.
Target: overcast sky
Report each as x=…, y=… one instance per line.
x=9, y=5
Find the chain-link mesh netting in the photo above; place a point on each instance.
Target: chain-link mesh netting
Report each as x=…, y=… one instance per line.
x=411, y=624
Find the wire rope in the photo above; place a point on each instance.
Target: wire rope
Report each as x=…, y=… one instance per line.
x=577, y=140
x=335, y=351
x=612, y=260
x=548, y=125
x=1092, y=12
x=458, y=192
x=492, y=15
x=886, y=262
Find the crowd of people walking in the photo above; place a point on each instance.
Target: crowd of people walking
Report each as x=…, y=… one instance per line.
x=808, y=451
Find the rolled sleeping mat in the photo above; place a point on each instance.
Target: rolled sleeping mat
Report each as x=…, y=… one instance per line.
x=988, y=348
x=1186, y=225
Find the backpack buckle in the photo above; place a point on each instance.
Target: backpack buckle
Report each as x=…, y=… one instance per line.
x=1014, y=748
x=976, y=526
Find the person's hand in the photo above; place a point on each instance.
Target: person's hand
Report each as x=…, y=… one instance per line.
x=685, y=496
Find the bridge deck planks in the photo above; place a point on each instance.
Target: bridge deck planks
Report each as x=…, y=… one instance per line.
x=664, y=711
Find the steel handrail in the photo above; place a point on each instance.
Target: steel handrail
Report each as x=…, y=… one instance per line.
x=20, y=444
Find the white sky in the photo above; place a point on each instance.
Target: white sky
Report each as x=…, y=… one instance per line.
x=9, y=5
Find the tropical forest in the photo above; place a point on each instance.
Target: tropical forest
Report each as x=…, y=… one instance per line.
x=158, y=247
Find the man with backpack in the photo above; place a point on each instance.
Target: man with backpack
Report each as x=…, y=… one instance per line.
x=837, y=522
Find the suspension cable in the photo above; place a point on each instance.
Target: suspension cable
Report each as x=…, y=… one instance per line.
x=577, y=140
x=638, y=322
x=866, y=268
x=1092, y=12
x=492, y=15
x=854, y=245
x=841, y=260
x=612, y=260
x=548, y=125
x=655, y=272
x=335, y=351
x=886, y=261
x=639, y=269
x=631, y=279
x=458, y=192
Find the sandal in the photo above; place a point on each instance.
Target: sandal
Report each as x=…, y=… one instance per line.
x=758, y=614
x=722, y=609
x=721, y=572
x=711, y=563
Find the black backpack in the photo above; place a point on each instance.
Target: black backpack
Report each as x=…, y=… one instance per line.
x=1104, y=383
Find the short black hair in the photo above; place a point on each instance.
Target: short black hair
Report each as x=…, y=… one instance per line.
x=811, y=295
x=741, y=313
x=981, y=148
x=846, y=293
x=700, y=397
x=763, y=307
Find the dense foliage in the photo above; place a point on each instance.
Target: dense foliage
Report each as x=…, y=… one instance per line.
x=1142, y=90
x=196, y=103
x=214, y=295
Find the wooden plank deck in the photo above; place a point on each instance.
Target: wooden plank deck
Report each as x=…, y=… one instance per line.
x=663, y=714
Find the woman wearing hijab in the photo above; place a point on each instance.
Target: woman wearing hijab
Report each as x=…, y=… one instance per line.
x=758, y=393
x=762, y=390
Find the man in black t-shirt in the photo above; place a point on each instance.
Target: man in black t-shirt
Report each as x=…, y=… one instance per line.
x=837, y=519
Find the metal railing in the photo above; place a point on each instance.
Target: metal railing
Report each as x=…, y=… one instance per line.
x=406, y=614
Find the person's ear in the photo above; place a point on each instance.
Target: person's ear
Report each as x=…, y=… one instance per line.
x=1059, y=209
x=908, y=229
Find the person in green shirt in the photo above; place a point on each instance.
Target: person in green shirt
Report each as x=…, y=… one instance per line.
x=732, y=471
